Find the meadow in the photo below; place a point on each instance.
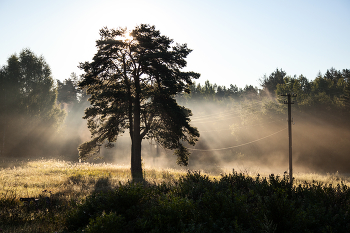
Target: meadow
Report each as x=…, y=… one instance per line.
x=69, y=193
x=64, y=182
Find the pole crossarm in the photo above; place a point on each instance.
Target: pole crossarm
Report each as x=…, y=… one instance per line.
x=289, y=102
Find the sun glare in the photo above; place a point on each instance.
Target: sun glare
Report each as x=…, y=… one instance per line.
x=127, y=36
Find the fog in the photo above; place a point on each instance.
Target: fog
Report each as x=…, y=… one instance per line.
x=239, y=135
x=260, y=141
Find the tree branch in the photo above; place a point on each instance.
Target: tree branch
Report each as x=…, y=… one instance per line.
x=148, y=124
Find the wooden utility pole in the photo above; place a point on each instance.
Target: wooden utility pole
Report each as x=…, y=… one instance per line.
x=289, y=102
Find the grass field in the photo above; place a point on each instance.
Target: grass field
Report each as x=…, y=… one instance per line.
x=66, y=184
x=31, y=178
x=64, y=181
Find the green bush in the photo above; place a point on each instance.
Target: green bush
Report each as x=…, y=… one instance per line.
x=106, y=223
x=235, y=203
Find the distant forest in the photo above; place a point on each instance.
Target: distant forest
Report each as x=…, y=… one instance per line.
x=41, y=117
x=330, y=90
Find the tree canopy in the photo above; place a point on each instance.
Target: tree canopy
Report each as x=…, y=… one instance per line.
x=270, y=83
x=133, y=83
x=29, y=113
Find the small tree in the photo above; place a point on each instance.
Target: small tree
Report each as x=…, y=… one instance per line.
x=133, y=82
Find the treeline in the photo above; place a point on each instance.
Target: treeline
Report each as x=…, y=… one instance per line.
x=327, y=96
x=214, y=92
x=331, y=90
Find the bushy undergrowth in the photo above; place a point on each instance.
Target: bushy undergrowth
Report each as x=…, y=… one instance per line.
x=99, y=198
x=58, y=186
x=233, y=203
x=42, y=214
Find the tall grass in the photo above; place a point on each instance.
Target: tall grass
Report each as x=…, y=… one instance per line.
x=31, y=178
x=64, y=183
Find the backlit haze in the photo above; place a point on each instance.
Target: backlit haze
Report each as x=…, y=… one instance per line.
x=233, y=42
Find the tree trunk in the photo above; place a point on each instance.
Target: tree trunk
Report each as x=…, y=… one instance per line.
x=136, y=166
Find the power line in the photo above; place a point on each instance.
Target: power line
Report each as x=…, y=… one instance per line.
x=240, y=144
x=218, y=117
x=213, y=114
x=239, y=127
x=234, y=111
x=222, y=118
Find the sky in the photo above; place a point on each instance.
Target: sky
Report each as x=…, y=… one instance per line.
x=233, y=42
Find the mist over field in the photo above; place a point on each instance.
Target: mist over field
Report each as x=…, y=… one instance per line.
x=260, y=142
x=241, y=136
x=240, y=128
x=238, y=135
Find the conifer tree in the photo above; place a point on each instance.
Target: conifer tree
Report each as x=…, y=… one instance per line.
x=133, y=82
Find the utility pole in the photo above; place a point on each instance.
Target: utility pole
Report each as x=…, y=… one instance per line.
x=289, y=102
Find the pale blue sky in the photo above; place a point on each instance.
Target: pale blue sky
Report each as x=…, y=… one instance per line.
x=233, y=42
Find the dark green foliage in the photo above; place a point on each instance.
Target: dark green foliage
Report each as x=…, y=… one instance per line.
x=107, y=223
x=235, y=203
x=46, y=209
x=133, y=83
x=29, y=114
x=328, y=92
x=346, y=95
x=68, y=90
x=270, y=83
x=213, y=92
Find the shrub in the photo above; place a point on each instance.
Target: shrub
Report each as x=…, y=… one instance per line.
x=235, y=203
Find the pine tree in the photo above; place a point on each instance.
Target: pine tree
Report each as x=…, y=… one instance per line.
x=133, y=83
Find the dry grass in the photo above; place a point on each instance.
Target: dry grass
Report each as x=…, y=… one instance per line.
x=31, y=178
x=325, y=179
